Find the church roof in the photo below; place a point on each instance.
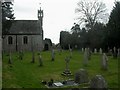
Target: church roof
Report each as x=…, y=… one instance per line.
x=25, y=27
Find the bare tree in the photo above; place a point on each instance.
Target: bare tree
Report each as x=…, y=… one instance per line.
x=90, y=11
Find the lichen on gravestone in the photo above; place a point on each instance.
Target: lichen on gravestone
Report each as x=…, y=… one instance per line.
x=98, y=82
x=81, y=76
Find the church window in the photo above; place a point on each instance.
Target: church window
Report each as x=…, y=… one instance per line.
x=25, y=40
x=10, y=40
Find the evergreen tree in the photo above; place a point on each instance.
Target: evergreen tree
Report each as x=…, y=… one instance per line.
x=7, y=16
x=113, y=26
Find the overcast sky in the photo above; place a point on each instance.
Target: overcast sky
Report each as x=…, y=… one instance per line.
x=58, y=14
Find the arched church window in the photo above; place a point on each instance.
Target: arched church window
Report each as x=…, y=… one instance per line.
x=25, y=40
x=10, y=40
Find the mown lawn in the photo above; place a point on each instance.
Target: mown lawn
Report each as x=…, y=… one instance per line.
x=23, y=74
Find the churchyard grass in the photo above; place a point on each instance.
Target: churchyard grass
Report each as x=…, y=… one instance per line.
x=24, y=74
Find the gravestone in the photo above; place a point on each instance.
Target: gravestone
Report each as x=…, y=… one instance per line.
x=85, y=60
x=114, y=52
x=67, y=71
x=110, y=53
x=98, y=82
x=118, y=55
x=33, y=57
x=40, y=60
x=100, y=51
x=82, y=49
x=81, y=76
x=53, y=55
x=104, y=63
x=95, y=50
x=70, y=51
x=10, y=58
x=89, y=53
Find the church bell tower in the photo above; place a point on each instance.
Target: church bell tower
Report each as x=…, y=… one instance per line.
x=40, y=16
x=40, y=20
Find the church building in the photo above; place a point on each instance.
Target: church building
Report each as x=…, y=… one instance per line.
x=25, y=35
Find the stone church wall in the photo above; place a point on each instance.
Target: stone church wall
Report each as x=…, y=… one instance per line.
x=33, y=40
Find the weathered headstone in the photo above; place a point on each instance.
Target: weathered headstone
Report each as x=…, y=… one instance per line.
x=118, y=55
x=100, y=51
x=82, y=49
x=89, y=53
x=81, y=76
x=70, y=51
x=114, y=52
x=67, y=71
x=110, y=53
x=33, y=57
x=40, y=60
x=104, y=62
x=10, y=58
x=95, y=50
x=53, y=55
x=85, y=60
x=98, y=82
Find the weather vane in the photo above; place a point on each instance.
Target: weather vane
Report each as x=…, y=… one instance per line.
x=40, y=5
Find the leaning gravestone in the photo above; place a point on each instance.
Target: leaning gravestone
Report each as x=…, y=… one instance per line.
x=67, y=71
x=53, y=55
x=98, y=82
x=40, y=60
x=85, y=60
x=81, y=76
x=104, y=62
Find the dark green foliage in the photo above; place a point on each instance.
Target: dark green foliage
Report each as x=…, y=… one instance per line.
x=7, y=16
x=64, y=39
x=97, y=36
x=113, y=26
x=94, y=38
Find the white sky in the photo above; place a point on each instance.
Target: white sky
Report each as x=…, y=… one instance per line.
x=58, y=14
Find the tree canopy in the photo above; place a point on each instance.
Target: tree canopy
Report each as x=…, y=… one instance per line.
x=7, y=16
x=114, y=26
x=90, y=12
